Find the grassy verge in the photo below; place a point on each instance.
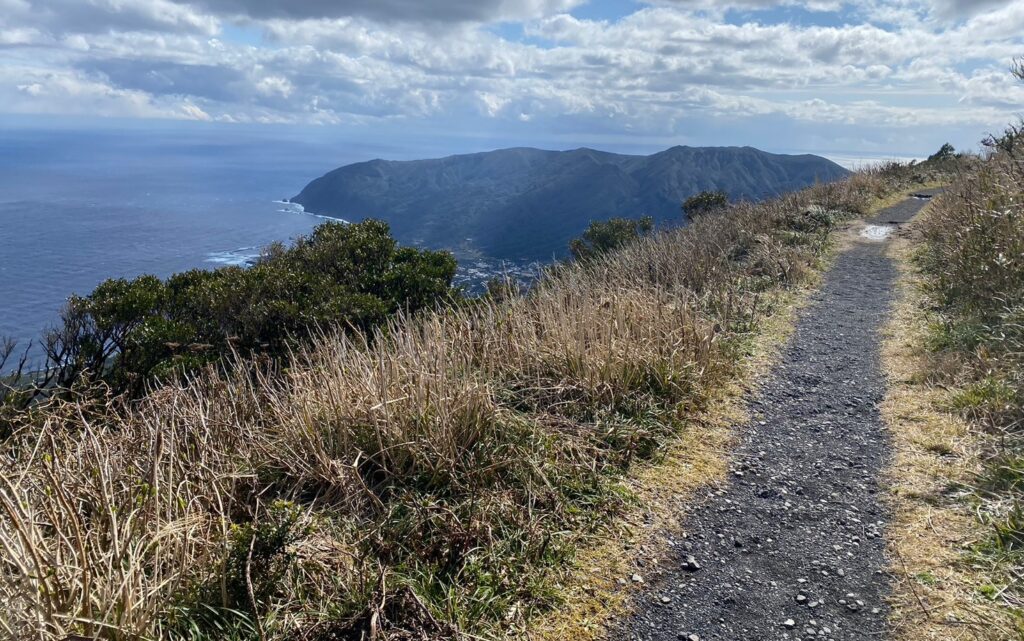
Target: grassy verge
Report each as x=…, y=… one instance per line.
x=940, y=591
x=434, y=478
x=600, y=587
x=954, y=353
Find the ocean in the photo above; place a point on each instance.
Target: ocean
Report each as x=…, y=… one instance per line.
x=77, y=207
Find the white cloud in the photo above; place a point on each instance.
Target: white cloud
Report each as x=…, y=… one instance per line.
x=964, y=8
x=275, y=85
x=389, y=10
x=721, y=6
x=20, y=36
x=29, y=90
x=192, y=112
x=650, y=73
x=100, y=16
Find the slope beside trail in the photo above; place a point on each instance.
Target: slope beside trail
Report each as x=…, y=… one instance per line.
x=792, y=545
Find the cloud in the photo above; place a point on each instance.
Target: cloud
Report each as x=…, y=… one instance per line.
x=900, y=12
x=209, y=82
x=438, y=11
x=721, y=6
x=958, y=9
x=28, y=90
x=654, y=72
x=101, y=16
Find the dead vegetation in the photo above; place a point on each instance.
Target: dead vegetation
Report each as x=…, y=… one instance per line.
x=937, y=457
x=957, y=409
x=430, y=480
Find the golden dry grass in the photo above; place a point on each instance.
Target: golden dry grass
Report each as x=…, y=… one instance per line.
x=937, y=453
x=599, y=587
x=435, y=475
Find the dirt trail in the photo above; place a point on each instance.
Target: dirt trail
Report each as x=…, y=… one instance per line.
x=792, y=546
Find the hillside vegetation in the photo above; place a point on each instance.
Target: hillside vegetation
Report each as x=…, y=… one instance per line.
x=424, y=478
x=972, y=257
x=127, y=333
x=529, y=203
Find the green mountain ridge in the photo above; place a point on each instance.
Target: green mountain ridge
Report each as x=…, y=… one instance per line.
x=525, y=203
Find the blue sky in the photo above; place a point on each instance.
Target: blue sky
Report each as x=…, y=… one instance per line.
x=869, y=78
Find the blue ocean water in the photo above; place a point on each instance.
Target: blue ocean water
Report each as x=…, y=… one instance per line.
x=77, y=207
x=82, y=204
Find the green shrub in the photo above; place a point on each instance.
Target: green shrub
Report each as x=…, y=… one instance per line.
x=259, y=556
x=451, y=462
x=945, y=152
x=126, y=333
x=705, y=202
x=604, y=236
x=260, y=561
x=973, y=242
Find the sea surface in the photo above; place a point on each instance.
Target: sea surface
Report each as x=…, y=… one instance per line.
x=79, y=207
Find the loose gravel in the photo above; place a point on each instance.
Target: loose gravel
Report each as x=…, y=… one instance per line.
x=792, y=546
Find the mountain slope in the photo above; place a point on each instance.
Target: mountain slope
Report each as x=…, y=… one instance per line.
x=528, y=203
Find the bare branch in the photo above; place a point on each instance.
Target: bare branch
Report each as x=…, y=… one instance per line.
x=1017, y=68
x=7, y=345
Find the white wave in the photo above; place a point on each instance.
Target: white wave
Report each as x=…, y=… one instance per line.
x=296, y=208
x=236, y=257
x=290, y=207
x=334, y=218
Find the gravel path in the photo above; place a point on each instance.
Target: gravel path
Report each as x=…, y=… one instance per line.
x=792, y=546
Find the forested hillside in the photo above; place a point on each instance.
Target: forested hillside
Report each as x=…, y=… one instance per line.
x=528, y=203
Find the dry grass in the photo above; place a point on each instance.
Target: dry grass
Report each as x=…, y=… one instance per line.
x=937, y=455
x=432, y=477
x=957, y=409
x=600, y=589
x=970, y=257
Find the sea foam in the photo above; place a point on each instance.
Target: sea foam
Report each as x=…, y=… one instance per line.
x=296, y=208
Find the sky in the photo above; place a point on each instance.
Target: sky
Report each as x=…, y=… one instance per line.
x=849, y=79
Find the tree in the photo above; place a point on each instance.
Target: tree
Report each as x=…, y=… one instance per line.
x=705, y=202
x=604, y=236
x=945, y=152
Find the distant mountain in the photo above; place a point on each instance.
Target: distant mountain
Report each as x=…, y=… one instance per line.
x=528, y=203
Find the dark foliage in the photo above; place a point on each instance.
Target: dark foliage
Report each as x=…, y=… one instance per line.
x=945, y=152
x=603, y=236
x=705, y=202
x=128, y=332
x=528, y=204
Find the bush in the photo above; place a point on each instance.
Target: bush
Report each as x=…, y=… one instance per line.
x=604, y=236
x=973, y=243
x=437, y=471
x=128, y=332
x=705, y=202
x=945, y=152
